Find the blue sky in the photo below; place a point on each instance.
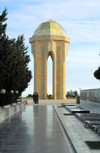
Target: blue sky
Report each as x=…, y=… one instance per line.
x=81, y=21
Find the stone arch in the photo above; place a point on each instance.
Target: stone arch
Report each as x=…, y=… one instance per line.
x=51, y=54
x=50, y=75
x=49, y=41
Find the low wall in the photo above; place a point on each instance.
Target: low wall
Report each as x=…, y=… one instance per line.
x=90, y=94
x=10, y=110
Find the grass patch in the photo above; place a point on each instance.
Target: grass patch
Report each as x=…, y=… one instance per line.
x=93, y=144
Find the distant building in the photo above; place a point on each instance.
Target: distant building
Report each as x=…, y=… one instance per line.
x=90, y=94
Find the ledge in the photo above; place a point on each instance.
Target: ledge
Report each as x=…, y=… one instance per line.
x=10, y=110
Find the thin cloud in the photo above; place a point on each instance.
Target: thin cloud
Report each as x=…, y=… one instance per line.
x=81, y=21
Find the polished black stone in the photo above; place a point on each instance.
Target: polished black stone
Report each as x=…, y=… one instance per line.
x=75, y=109
x=34, y=130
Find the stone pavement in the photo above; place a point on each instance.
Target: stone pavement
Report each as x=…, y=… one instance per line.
x=40, y=128
x=50, y=102
x=75, y=130
x=34, y=130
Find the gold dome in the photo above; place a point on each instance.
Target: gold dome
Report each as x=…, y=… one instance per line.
x=49, y=28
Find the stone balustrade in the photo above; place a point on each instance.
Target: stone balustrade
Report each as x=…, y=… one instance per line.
x=9, y=110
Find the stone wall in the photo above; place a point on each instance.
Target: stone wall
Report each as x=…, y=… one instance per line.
x=90, y=94
x=10, y=110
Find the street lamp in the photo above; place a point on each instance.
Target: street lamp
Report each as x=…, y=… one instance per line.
x=11, y=92
x=3, y=91
x=16, y=91
x=16, y=94
x=79, y=91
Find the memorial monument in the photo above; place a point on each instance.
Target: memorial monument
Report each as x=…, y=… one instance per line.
x=50, y=39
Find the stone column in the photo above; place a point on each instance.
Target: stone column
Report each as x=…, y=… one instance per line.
x=62, y=80
x=44, y=76
x=54, y=78
x=61, y=71
x=38, y=73
x=58, y=73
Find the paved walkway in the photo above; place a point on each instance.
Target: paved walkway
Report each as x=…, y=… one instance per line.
x=51, y=101
x=34, y=130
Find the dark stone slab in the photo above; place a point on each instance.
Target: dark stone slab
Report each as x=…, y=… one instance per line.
x=88, y=116
x=75, y=109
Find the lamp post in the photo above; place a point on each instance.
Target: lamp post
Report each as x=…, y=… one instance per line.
x=16, y=92
x=79, y=91
x=11, y=92
x=3, y=91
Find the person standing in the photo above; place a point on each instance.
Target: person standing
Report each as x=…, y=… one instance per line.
x=35, y=98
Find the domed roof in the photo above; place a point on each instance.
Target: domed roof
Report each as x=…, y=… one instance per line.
x=49, y=28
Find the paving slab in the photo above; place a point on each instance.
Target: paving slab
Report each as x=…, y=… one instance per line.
x=34, y=130
x=76, y=131
x=50, y=101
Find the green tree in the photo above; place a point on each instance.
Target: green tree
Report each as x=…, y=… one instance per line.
x=18, y=71
x=97, y=73
x=3, y=40
x=30, y=95
x=71, y=93
x=14, y=71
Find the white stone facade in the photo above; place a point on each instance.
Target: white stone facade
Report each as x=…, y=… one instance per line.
x=90, y=94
